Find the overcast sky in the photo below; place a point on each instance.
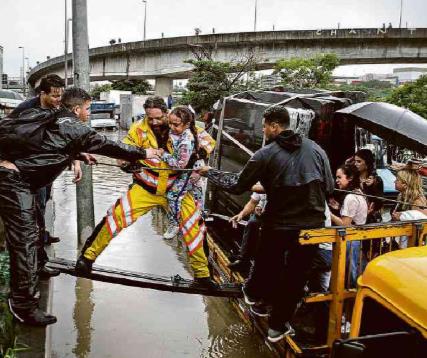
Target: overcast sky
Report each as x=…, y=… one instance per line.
x=39, y=25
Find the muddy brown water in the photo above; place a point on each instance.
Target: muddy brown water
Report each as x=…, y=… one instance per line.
x=103, y=320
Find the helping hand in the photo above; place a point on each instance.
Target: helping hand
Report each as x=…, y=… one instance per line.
x=235, y=220
x=258, y=210
x=152, y=153
x=395, y=216
x=203, y=170
x=78, y=173
x=89, y=159
x=333, y=204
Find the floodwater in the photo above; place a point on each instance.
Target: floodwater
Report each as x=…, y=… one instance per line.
x=102, y=320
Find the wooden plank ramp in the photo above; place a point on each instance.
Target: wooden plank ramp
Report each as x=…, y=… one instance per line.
x=136, y=279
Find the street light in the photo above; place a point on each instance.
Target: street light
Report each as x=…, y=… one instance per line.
x=256, y=3
x=145, y=18
x=28, y=64
x=23, y=70
x=400, y=17
x=66, y=45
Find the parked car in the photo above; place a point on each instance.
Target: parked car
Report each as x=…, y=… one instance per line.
x=9, y=100
x=102, y=120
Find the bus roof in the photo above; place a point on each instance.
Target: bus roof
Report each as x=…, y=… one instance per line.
x=400, y=278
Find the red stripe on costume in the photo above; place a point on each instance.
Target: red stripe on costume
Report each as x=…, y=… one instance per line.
x=188, y=218
x=130, y=207
x=156, y=178
x=154, y=164
x=122, y=212
x=189, y=230
x=139, y=177
x=196, y=248
x=113, y=214
x=108, y=227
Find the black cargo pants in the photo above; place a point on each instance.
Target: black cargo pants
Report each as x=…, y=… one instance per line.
x=18, y=211
x=280, y=272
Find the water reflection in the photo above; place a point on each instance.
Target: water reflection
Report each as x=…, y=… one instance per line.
x=82, y=316
x=97, y=319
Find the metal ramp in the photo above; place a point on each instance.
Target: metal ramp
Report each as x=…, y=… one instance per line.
x=136, y=279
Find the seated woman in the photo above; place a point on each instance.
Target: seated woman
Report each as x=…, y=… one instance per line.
x=353, y=211
x=409, y=184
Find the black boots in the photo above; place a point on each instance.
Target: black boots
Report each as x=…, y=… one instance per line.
x=37, y=317
x=206, y=282
x=240, y=265
x=46, y=273
x=84, y=265
x=49, y=239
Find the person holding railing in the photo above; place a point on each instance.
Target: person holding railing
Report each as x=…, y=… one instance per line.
x=352, y=211
x=254, y=207
x=296, y=176
x=370, y=184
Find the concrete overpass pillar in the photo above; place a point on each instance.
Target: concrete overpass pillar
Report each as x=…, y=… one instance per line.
x=163, y=86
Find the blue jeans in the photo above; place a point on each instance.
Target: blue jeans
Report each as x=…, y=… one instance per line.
x=321, y=270
x=354, y=252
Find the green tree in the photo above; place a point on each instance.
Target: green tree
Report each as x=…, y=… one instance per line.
x=134, y=85
x=412, y=96
x=376, y=91
x=212, y=80
x=308, y=72
x=96, y=91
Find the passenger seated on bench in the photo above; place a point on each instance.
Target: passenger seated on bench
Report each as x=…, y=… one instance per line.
x=254, y=207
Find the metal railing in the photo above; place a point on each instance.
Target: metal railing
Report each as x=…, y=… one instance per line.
x=374, y=240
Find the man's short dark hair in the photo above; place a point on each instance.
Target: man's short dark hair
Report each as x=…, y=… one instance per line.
x=50, y=81
x=155, y=102
x=278, y=114
x=73, y=97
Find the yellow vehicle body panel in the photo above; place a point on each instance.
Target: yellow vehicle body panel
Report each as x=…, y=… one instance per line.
x=400, y=278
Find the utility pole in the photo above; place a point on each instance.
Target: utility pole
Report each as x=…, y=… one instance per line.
x=66, y=45
x=400, y=17
x=256, y=3
x=23, y=71
x=84, y=189
x=145, y=19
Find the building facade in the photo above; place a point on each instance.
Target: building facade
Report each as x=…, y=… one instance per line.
x=409, y=74
x=1, y=66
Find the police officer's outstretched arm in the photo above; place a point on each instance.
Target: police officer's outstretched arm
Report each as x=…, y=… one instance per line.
x=84, y=139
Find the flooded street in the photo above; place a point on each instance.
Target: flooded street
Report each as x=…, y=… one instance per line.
x=97, y=319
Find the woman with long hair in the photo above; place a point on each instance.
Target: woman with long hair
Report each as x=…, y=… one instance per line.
x=353, y=211
x=409, y=185
x=370, y=183
x=411, y=193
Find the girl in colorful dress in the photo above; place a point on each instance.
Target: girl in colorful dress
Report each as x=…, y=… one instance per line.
x=183, y=137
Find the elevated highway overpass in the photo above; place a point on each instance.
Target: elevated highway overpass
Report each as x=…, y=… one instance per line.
x=163, y=59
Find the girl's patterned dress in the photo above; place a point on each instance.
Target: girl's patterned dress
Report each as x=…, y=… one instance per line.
x=183, y=148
